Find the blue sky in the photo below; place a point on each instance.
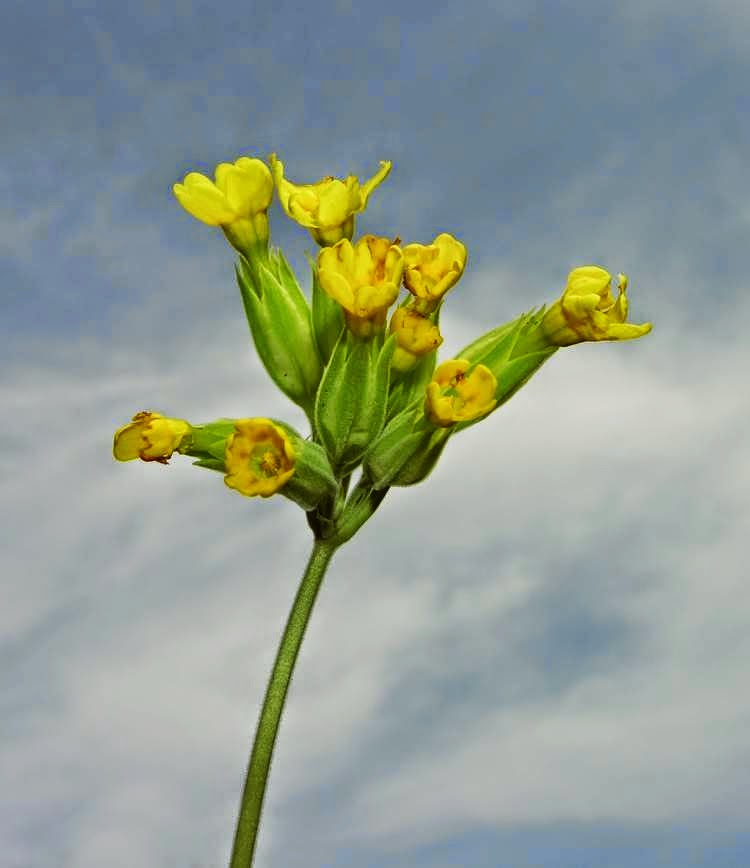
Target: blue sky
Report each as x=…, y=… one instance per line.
x=537, y=659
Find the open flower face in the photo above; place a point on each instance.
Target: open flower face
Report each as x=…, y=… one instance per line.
x=459, y=392
x=363, y=278
x=587, y=311
x=242, y=189
x=150, y=437
x=327, y=207
x=259, y=458
x=430, y=270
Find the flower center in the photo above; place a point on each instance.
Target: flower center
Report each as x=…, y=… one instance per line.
x=270, y=463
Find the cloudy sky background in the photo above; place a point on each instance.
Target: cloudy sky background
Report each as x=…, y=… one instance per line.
x=539, y=658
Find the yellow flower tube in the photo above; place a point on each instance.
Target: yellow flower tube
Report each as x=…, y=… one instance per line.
x=586, y=311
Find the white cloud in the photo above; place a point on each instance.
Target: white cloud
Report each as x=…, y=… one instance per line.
x=154, y=601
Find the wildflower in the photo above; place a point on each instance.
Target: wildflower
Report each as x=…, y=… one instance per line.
x=150, y=437
x=430, y=270
x=415, y=337
x=259, y=457
x=586, y=311
x=238, y=201
x=363, y=278
x=459, y=392
x=327, y=207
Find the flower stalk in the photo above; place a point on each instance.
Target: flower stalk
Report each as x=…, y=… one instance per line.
x=256, y=780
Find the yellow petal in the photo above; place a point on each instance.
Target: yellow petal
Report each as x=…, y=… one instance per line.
x=201, y=198
x=247, y=184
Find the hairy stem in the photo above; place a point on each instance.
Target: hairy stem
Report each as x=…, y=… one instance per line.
x=273, y=705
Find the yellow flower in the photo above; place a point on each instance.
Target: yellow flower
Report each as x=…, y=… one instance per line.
x=326, y=208
x=459, y=393
x=415, y=337
x=587, y=311
x=237, y=201
x=363, y=278
x=150, y=437
x=259, y=458
x=430, y=270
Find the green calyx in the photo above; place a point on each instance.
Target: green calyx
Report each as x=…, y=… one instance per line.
x=406, y=451
x=514, y=352
x=281, y=326
x=352, y=399
x=311, y=483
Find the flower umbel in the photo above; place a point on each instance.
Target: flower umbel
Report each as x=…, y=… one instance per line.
x=586, y=311
x=459, y=392
x=380, y=412
x=415, y=337
x=237, y=201
x=430, y=270
x=259, y=458
x=363, y=278
x=150, y=437
x=327, y=207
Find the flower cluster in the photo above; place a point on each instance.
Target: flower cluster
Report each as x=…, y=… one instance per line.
x=360, y=358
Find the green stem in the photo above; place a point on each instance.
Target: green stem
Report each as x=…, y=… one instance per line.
x=273, y=705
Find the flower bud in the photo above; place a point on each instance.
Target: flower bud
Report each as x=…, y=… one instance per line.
x=430, y=270
x=415, y=335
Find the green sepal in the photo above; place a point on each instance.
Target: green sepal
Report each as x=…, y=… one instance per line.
x=281, y=326
x=210, y=464
x=406, y=451
x=512, y=352
x=492, y=342
x=423, y=461
x=327, y=317
x=208, y=442
x=410, y=387
x=313, y=479
x=353, y=397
